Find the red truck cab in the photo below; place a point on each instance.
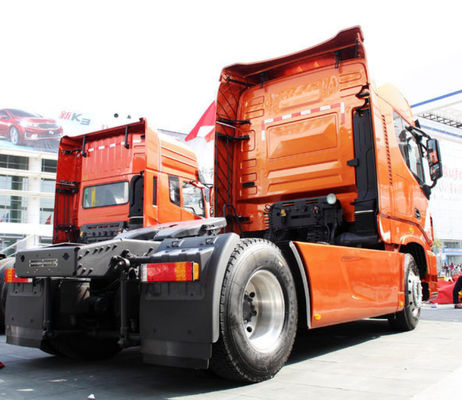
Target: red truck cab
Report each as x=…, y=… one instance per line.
x=123, y=178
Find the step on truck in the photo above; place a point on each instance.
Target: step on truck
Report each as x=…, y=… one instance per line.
x=120, y=179
x=322, y=184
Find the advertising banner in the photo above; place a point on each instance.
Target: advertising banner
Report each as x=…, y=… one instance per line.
x=28, y=130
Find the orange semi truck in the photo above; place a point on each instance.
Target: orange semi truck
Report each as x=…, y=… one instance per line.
x=321, y=190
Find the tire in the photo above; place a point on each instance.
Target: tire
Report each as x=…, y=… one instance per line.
x=15, y=138
x=81, y=347
x=408, y=318
x=258, y=314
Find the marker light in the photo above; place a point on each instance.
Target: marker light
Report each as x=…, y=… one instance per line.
x=10, y=277
x=183, y=271
x=331, y=199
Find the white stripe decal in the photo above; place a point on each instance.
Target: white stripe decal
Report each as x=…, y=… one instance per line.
x=112, y=145
x=90, y=149
x=304, y=112
x=101, y=147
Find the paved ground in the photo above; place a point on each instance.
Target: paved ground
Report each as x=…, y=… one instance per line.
x=361, y=360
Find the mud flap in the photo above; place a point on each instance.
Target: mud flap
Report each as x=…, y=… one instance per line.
x=179, y=321
x=24, y=314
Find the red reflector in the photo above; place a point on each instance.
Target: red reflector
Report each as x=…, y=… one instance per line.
x=184, y=271
x=10, y=277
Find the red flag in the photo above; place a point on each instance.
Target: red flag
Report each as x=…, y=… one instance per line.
x=207, y=120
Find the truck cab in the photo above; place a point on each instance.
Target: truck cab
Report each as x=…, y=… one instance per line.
x=123, y=178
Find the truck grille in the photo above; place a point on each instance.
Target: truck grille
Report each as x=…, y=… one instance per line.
x=48, y=126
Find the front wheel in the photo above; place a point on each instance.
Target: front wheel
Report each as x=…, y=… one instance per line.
x=407, y=319
x=14, y=136
x=258, y=314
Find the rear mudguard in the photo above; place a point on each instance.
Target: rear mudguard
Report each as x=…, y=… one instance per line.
x=180, y=321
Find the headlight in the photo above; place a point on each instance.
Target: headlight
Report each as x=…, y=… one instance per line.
x=25, y=123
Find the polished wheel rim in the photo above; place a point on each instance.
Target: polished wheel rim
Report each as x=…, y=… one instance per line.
x=263, y=311
x=14, y=135
x=415, y=292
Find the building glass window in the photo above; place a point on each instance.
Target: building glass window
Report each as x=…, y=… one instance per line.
x=47, y=185
x=13, y=209
x=11, y=182
x=49, y=165
x=46, y=211
x=45, y=240
x=13, y=162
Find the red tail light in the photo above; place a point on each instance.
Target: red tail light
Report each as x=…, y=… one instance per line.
x=10, y=277
x=183, y=271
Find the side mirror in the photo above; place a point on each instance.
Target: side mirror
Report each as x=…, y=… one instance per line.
x=434, y=159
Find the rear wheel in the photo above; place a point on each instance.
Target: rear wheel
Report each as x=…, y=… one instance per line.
x=407, y=319
x=258, y=314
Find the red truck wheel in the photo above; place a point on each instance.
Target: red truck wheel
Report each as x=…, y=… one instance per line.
x=258, y=314
x=407, y=319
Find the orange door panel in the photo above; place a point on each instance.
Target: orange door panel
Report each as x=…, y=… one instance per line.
x=347, y=283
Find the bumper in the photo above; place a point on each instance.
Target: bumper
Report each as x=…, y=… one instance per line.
x=40, y=134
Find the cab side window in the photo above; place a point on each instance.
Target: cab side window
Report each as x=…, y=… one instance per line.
x=409, y=147
x=174, y=189
x=193, y=200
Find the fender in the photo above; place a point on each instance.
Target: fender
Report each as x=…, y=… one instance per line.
x=179, y=321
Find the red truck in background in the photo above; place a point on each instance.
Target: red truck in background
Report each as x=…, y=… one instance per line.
x=322, y=184
x=123, y=178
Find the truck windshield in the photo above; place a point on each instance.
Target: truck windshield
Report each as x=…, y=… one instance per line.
x=109, y=194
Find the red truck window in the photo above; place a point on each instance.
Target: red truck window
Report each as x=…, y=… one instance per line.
x=110, y=194
x=193, y=199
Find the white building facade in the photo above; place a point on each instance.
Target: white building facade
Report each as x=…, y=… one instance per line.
x=441, y=118
x=27, y=187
